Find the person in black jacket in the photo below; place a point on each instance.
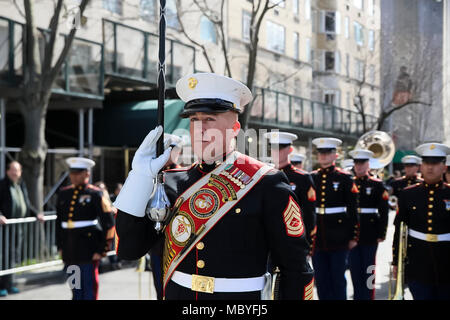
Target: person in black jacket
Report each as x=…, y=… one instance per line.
x=228, y=211
x=373, y=212
x=14, y=203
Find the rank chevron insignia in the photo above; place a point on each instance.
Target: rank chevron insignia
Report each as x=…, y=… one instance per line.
x=293, y=219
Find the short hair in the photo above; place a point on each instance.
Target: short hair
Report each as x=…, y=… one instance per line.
x=8, y=166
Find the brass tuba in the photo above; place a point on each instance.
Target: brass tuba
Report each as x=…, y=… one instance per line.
x=380, y=143
x=382, y=146
x=402, y=247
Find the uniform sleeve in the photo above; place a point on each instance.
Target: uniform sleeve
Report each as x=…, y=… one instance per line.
x=136, y=236
x=287, y=238
x=105, y=216
x=351, y=194
x=383, y=211
x=307, y=198
x=400, y=216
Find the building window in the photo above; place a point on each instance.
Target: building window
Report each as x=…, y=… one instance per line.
x=275, y=37
x=329, y=61
x=113, y=6
x=331, y=97
x=330, y=23
x=171, y=14
x=371, y=40
x=207, y=30
x=359, y=33
x=246, y=21
x=148, y=10
x=296, y=41
x=359, y=4
x=371, y=7
x=295, y=7
x=359, y=70
x=307, y=9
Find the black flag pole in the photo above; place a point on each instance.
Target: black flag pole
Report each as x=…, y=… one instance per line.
x=158, y=205
x=161, y=74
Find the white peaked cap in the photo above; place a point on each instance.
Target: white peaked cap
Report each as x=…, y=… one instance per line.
x=80, y=163
x=277, y=137
x=433, y=150
x=361, y=154
x=297, y=157
x=326, y=143
x=411, y=160
x=213, y=86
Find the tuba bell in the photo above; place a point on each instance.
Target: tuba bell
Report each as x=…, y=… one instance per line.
x=382, y=146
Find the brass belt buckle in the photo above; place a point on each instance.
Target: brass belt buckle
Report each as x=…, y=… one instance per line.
x=202, y=284
x=431, y=237
x=321, y=210
x=70, y=224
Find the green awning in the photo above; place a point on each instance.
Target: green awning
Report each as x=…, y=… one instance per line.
x=399, y=154
x=127, y=124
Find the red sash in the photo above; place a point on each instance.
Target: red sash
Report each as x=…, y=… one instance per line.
x=205, y=203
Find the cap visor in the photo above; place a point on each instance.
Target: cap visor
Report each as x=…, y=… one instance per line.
x=191, y=111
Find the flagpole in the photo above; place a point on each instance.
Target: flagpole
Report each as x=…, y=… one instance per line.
x=161, y=73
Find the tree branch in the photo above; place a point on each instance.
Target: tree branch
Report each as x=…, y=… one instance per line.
x=67, y=46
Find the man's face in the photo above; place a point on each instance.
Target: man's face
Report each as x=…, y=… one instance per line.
x=212, y=134
x=79, y=177
x=411, y=169
x=14, y=172
x=432, y=172
x=326, y=158
x=361, y=167
x=280, y=154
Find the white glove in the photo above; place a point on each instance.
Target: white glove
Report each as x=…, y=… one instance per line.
x=138, y=186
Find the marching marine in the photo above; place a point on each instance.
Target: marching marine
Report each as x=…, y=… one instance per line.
x=300, y=181
x=84, y=227
x=337, y=222
x=373, y=208
x=297, y=160
x=425, y=209
x=411, y=165
x=229, y=211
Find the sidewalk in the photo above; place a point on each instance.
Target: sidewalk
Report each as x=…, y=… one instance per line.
x=49, y=284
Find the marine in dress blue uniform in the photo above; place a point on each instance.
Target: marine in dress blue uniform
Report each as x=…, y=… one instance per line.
x=299, y=180
x=255, y=210
x=337, y=222
x=84, y=228
x=373, y=212
x=425, y=208
x=411, y=165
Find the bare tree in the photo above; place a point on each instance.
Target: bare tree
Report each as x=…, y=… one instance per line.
x=217, y=17
x=36, y=85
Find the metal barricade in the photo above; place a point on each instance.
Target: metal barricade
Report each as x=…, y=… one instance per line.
x=27, y=244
